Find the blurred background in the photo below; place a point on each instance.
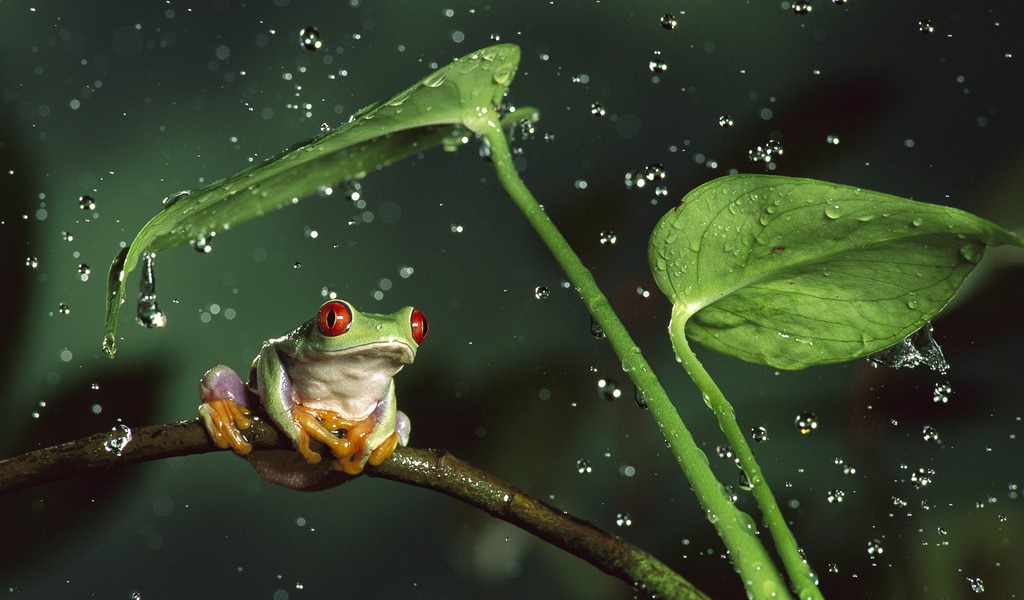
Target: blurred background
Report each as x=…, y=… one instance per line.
x=129, y=102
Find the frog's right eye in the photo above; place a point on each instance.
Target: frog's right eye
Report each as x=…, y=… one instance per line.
x=334, y=318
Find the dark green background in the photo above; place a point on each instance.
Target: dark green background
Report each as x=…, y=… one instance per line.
x=173, y=95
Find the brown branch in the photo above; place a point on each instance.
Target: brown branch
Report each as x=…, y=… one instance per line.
x=433, y=469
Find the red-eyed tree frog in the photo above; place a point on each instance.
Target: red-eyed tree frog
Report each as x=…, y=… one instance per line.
x=332, y=374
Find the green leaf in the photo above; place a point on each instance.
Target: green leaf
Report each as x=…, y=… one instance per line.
x=463, y=95
x=796, y=272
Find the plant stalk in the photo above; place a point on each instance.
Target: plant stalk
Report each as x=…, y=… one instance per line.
x=800, y=574
x=737, y=530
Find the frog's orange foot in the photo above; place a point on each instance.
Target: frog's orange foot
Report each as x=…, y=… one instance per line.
x=224, y=421
x=311, y=426
x=384, y=451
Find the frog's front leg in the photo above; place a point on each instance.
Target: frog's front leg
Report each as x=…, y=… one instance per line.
x=374, y=439
x=299, y=423
x=225, y=409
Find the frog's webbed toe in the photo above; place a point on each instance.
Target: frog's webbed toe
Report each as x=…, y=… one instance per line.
x=319, y=425
x=384, y=451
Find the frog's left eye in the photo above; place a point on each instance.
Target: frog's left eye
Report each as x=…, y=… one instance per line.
x=419, y=326
x=334, y=318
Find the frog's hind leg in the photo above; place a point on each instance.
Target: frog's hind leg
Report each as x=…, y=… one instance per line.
x=384, y=450
x=225, y=410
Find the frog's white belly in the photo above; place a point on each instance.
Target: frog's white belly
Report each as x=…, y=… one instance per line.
x=353, y=389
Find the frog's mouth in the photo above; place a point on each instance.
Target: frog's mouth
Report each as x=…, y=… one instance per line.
x=391, y=350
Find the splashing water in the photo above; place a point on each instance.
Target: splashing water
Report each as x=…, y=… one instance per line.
x=919, y=348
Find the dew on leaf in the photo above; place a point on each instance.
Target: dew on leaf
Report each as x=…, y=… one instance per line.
x=919, y=348
x=174, y=198
x=117, y=440
x=641, y=401
x=833, y=211
x=595, y=329
x=149, y=313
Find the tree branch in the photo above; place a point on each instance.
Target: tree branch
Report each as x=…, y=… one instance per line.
x=433, y=469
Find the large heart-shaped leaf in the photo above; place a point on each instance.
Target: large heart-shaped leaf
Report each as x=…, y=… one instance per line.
x=795, y=272
x=463, y=95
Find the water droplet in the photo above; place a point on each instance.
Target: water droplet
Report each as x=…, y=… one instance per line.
x=540, y=292
x=118, y=438
x=173, y=198
x=638, y=396
x=149, y=313
x=202, y=244
x=309, y=37
x=919, y=348
x=806, y=422
x=724, y=451
x=32, y=262
x=942, y=393
x=802, y=8
x=875, y=548
x=972, y=253
x=977, y=585
x=608, y=389
x=595, y=329
x=655, y=172
x=930, y=434
x=833, y=567
x=836, y=496
x=623, y=520
x=67, y=236
x=833, y=211
x=84, y=271
x=725, y=121
x=926, y=27
x=456, y=228
x=668, y=21
x=310, y=233
x=325, y=127
x=767, y=153
x=87, y=203
x=917, y=222
x=608, y=238
x=657, y=65
x=832, y=140
x=63, y=309
x=583, y=466
x=922, y=477
x=759, y=434
x=597, y=109
x=634, y=179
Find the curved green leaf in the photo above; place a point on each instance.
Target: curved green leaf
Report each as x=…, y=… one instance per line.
x=462, y=95
x=795, y=272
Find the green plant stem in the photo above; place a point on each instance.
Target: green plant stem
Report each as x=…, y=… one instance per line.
x=796, y=567
x=759, y=574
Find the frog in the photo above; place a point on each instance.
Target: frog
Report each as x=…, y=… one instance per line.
x=329, y=380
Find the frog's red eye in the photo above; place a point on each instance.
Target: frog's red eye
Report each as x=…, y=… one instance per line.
x=419, y=326
x=334, y=318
